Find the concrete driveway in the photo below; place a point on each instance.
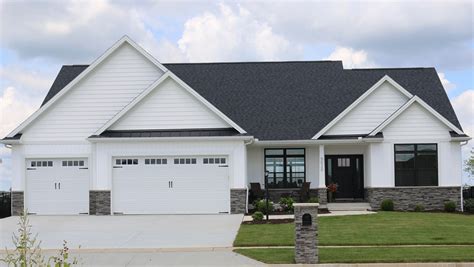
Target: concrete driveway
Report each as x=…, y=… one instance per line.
x=129, y=231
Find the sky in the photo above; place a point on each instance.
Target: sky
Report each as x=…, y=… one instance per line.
x=37, y=37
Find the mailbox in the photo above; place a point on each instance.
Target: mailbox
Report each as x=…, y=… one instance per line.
x=307, y=220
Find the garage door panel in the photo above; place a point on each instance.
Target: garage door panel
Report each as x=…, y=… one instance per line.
x=170, y=188
x=57, y=188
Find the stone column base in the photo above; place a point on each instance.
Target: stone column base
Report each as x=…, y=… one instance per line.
x=323, y=196
x=238, y=201
x=99, y=202
x=18, y=203
x=407, y=198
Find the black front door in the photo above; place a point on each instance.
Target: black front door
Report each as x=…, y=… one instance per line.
x=347, y=172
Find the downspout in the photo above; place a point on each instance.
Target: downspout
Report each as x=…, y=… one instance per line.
x=462, y=197
x=247, y=143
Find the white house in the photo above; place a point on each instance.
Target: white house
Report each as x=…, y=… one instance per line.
x=130, y=135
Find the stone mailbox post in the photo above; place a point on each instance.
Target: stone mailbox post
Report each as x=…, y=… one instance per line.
x=306, y=232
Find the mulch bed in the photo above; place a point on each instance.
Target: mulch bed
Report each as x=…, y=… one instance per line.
x=272, y=221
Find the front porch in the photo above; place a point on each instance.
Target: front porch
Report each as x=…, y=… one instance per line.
x=291, y=169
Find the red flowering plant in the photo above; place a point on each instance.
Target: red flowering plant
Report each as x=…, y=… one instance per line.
x=332, y=187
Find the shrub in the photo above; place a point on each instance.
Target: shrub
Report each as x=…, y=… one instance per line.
x=419, y=208
x=313, y=200
x=469, y=205
x=450, y=206
x=387, y=205
x=287, y=203
x=257, y=216
x=261, y=206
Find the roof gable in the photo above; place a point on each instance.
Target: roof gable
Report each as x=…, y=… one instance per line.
x=172, y=105
x=82, y=74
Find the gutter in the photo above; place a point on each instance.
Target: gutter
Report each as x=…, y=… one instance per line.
x=178, y=138
x=359, y=140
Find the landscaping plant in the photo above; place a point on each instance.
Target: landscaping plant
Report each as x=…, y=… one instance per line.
x=261, y=205
x=313, y=200
x=287, y=204
x=387, y=205
x=469, y=205
x=419, y=208
x=257, y=216
x=450, y=206
x=27, y=250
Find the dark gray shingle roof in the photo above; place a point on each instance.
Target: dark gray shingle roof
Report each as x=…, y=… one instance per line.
x=168, y=133
x=289, y=100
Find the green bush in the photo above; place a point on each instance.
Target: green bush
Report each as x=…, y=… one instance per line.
x=419, y=208
x=387, y=205
x=261, y=205
x=450, y=206
x=257, y=216
x=469, y=205
x=287, y=203
x=313, y=200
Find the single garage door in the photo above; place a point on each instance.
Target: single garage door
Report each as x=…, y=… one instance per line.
x=171, y=185
x=57, y=186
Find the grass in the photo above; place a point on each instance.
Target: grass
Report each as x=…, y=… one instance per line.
x=383, y=228
x=365, y=255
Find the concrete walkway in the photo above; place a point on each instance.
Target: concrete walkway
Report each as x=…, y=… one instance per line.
x=434, y=264
x=248, y=218
x=147, y=257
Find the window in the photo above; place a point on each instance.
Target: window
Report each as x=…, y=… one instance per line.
x=156, y=161
x=416, y=165
x=286, y=167
x=41, y=164
x=72, y=163
x=126, y=162
x=213, y=161
x=185, y=161
x=343, y=162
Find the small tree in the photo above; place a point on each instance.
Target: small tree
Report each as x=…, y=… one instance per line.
x=469, y=165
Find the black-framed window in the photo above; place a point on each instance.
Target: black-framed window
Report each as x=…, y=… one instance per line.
x=286, y=167
x=416, y=165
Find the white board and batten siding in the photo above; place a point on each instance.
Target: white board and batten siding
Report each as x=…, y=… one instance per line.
x=169, y=106
x=371, y=112
x=95, y=99
x=416, y=123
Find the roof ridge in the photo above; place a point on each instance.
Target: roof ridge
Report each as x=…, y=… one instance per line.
x=402, y=68
x=255, y=62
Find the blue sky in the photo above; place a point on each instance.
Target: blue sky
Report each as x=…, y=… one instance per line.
x=37, y=37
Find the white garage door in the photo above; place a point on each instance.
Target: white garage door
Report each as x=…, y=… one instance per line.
x=171, y=185
x=57, y=186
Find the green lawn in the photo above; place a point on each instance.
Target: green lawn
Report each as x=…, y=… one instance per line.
x=383, y=228
x=363, y=255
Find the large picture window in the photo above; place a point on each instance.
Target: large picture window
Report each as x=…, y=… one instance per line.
x=416, y=165
x=286, y=167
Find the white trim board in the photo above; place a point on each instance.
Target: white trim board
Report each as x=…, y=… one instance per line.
x=407, y=105
x=113, y=48
x=166, y=75
x=374, y=87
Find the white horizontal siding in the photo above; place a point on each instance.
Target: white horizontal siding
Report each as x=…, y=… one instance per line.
x=416, y=123
x=169, y=106
x=96, y=99
x=371, y=112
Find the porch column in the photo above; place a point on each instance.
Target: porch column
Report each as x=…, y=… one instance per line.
x=322, y=191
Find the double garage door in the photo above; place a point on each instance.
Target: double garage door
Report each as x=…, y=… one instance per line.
x=140, y=185
x=170, y=185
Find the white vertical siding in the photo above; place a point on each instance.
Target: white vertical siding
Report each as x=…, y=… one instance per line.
x=96, y=99
x=169, y=106
x=416, y=123
x=371, y=112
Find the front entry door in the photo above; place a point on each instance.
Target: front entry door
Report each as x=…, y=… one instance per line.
x=347, y=172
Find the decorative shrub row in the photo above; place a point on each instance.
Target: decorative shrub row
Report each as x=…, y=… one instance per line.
x=449, y=206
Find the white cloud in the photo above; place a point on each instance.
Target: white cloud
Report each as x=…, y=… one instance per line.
x=26, y=78
x=448, y=86
x=463, y=105
x=229, y=35
x=13, y=109
x=351, y=58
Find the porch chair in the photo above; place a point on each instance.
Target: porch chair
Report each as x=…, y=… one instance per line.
x=304, y=192
x=256, y=192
